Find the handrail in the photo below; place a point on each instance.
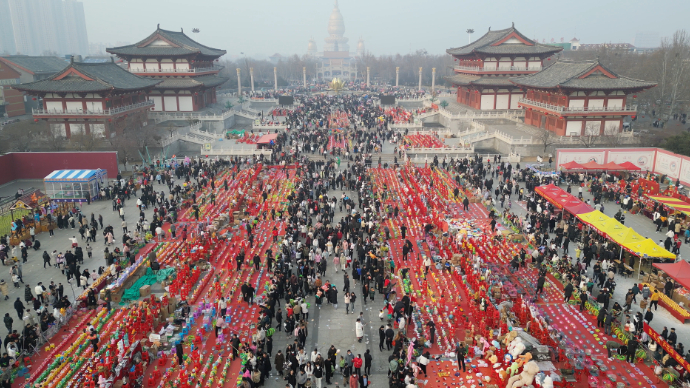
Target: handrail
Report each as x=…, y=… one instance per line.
x=558, y=108
x=106, y=112
x=499, y=69
x=176, y=70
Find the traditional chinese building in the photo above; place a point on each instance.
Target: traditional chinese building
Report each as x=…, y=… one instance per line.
x=186, y=69
x=102, y=99
x=579, y=98
x=484, y=67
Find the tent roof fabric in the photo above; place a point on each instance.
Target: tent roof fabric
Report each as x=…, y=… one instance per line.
x=572, y=166
x=630, y=166
x=674, y=203
x=680, y=272
x=70, y=175
x=563, y=200
x=265, y=139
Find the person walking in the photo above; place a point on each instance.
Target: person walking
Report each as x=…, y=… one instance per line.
x=359, y=330
x=8, y=322
x=382, y=337
x=367, y=362
x=460, y=352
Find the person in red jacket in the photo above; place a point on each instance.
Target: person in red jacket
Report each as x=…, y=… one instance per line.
x=357, y=364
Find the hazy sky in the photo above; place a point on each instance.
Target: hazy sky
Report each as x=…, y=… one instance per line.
x=261, y=28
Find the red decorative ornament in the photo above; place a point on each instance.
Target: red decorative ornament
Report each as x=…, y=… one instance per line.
x=548, y=59
x=634, y=95
x=110, y=120
x=34, y=98
x=35, y=120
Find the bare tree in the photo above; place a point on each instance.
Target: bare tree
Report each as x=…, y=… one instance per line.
x=547, y=138
x=21, y=136
x=84, y=141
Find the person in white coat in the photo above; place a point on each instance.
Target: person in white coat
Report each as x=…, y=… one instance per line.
x=359, y=330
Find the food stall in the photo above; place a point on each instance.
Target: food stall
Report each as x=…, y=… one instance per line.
x=75, y=185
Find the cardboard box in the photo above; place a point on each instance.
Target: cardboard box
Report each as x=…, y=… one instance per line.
x=116, y=297
x=145, y=290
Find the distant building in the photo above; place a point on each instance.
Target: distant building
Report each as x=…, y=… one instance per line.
x=11, y=101
x=484, y=67
x=102, y=99
x=40, y=27
x=186, y=68
x=581, y=98
x=30, y=69
x=336, y=59
x=647, y=40
x=275, y=58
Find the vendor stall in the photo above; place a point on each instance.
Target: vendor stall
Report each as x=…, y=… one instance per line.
x=75, y=185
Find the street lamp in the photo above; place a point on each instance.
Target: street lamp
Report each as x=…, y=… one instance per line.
x=470, y=31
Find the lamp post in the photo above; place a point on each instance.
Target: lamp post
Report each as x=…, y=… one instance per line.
x=275, y=79
x=470, y=31
x=397, y=76
x=239, y=84
x=433, y=79
x=251, y=77
x=304, y=76
x=368, y=76
x=420, y=79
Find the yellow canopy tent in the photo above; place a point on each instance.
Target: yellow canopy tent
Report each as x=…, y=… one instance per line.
x=649, y=248
x=627, y=236
x=624, y=236
x=594, y=218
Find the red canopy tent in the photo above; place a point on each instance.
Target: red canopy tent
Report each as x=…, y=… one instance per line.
x=610, y=166
x=561, y=199
x=572, y=166
x=680, y=272
x=592, y=166
x=630, y=167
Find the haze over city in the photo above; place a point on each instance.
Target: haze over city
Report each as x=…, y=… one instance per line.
x=388, y=27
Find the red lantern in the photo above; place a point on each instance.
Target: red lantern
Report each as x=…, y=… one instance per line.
x=634, y=95
x=35, y=120
x=34, y=98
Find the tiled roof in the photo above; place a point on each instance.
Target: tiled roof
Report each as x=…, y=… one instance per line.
x=484, y=45
x=566, y=74
x=36, y=65
x=464, y=79
x=104, y=76
x=208, y=81
x=185, y=46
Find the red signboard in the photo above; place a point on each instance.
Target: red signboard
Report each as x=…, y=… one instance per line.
x=666, y=346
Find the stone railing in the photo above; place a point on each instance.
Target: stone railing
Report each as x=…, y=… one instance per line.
x=105, y=112
x=165, y=116
x=479, y=69
x=181, y=134
x=233, y=151
x=444, y=150
x=182, y=70
x=261, y=99
x=578, y=109
x=273, y=126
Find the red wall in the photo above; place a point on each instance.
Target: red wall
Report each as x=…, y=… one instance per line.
x=37, y=165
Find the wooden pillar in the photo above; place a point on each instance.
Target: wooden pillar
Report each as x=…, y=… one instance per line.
x=495, y=98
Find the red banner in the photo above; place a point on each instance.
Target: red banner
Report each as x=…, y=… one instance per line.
x=666, y=346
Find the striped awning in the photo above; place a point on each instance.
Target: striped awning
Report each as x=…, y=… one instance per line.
x=70, y=175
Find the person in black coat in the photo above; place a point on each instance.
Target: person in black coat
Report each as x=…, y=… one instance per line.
x=672, y=337
x=568, y=291
x=179, y=351
x=540, y=284
x=632, y=349
x=367, y=362
x=19, y=306
x=382, y=337
x=583, y=300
